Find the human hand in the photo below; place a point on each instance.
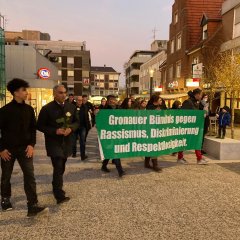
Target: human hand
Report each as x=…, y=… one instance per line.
x=60, y=131
x=67, y=132
x=5, y=155
x=29, y=151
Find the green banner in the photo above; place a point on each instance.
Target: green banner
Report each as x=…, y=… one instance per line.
x=131, y=133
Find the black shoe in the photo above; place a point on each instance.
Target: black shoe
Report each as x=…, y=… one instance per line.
x=121, y=174
x=35, y=210
x=203, y=152
x=74, y=156
x=63, y=200
x=105, y=169
x=84, y=157
x=6, y=204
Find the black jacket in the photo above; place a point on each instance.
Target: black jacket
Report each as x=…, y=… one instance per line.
x=83, y=117
x=191, y=104
x=17, y=126
x=48, y=123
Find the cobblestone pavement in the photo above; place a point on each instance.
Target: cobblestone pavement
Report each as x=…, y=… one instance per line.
x=183, y=202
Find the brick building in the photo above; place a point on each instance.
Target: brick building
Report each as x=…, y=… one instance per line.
x=195, y=24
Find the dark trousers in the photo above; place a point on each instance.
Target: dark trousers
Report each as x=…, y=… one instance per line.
x=117, y=163
x=58, y=171
x=26, y=165
x=81, y=133
x=222, y=131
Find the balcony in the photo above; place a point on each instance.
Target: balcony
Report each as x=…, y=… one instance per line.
x=139, y=59
x=134, y=85
x=134, y=72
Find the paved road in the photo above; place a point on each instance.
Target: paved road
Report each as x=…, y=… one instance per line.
x=183, y=202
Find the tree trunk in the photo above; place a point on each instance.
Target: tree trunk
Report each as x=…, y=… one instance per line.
x=232, y=115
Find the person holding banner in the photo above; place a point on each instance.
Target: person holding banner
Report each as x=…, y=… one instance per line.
x=192, y=103
x=112, y=104
x=154, y=104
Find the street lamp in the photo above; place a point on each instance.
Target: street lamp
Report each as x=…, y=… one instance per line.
x=151, y=81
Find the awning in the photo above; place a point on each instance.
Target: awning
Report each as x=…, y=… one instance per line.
x=173, y=96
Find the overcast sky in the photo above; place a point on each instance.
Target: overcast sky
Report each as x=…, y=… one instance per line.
x=113, y=29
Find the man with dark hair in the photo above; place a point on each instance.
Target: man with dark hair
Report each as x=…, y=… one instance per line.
x=112, y=104
x=84, y=126
x=71, y=99
x=90, y=108
x=58, y=121
x=18, y=138
x=192, y=103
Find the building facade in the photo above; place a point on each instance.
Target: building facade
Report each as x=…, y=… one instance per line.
x=231, y=33
x=104, y=81
x=12, y=38
x=25, y=62
x=72, y=60
x=2, y=63
x=132, y=70
x=152, y=64
x=193, y=23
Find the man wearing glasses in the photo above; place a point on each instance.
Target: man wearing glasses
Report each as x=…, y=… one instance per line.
x=58, y=121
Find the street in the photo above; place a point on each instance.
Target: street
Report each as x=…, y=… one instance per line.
x=183, y=202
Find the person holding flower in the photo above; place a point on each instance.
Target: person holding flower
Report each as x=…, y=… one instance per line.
x=58, y=121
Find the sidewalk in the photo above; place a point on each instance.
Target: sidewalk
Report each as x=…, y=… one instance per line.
x=183, y=202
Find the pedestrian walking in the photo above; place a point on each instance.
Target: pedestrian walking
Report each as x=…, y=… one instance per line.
x=126, y=104
x=84, y=127
x=112, y=104
x=103, y=103
x=58, y=121
x=90, y=111
x=71, y=99
x=204, y=105
x=192, y=103
x=155, y=102
x=18, y=138
x=224, y=120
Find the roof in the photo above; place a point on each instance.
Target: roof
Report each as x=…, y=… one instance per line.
x=103, y=69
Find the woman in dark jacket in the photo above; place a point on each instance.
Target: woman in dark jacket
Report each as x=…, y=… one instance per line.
x=154, y=105
x=126, y=104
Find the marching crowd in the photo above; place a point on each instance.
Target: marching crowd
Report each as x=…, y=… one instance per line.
x=63, y=123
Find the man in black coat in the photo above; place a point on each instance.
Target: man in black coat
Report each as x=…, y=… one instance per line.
x=18, y=138
x=84, y=127
x=192, y=103
x=112, y=104
x=58, y=121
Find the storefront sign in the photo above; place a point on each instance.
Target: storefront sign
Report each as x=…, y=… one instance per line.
x=86, y=81
x=192, y=82
x=158, y=89
x=131, y=133
x=44, y=73
x=197, y=70
x=173, y=84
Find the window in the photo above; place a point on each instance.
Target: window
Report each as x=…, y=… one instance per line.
x=70, y=60
x=205, y=32
x=85, y=73
x=178, y=69
x=179, y=41
x=113, y=77
x=176, y=17
x=236, y=30
x=59, y=72
x=70, y=73
x=172, y=46
x=111, y=85
x=59, y=59
x=170, y=73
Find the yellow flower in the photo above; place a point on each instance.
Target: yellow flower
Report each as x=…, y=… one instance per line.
x=68, y=114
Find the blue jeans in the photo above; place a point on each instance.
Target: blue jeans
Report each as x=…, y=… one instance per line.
x=81, y=133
